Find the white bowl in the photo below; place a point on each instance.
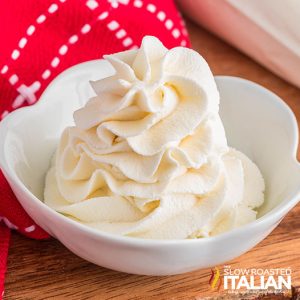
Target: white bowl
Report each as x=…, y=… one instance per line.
x=256, y=121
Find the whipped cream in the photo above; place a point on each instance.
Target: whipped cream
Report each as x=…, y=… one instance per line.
x=148, y=155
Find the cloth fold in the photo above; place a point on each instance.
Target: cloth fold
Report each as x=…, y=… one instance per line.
x=4, y=242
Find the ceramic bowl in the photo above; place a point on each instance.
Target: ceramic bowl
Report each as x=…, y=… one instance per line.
x=256, y=121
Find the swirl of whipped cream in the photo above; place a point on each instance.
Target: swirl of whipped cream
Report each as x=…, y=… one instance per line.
x=148, y=155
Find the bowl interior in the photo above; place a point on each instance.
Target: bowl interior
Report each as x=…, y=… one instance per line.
x=255, y=120
x=33, y=132
x=261, y=125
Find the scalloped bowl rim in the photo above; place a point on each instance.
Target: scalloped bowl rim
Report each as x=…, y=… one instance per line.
x=278, y=210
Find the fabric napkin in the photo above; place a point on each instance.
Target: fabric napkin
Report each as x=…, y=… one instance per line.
x=41, y=38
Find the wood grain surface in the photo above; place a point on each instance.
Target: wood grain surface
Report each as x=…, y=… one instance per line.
x=47, y=270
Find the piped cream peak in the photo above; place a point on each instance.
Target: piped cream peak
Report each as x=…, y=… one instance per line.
x=148, y=155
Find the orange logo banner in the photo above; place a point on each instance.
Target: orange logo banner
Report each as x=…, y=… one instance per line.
x=215, y=279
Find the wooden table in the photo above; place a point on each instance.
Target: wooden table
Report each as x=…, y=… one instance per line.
x=47, y=270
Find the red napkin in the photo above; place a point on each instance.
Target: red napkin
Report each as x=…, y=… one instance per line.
x=41, y=38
